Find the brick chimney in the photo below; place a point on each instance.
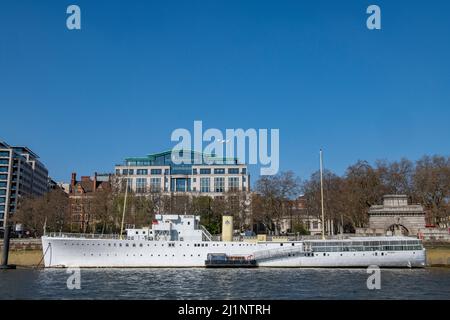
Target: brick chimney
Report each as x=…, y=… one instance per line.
x=73, y=180
x=95, y=182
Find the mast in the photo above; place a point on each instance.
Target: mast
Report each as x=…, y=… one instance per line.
x=124, y=206
x=321, y=194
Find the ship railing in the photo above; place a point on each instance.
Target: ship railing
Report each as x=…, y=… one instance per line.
x=82, y=235
x=278, y=253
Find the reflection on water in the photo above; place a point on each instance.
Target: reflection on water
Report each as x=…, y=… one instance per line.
x=262, y=283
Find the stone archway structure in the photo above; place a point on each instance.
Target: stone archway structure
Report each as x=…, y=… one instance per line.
x=396, y=215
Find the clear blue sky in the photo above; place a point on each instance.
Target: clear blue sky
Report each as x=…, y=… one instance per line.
x=84, y=100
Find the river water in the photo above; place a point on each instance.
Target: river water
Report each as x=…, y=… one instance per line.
x=262, y=283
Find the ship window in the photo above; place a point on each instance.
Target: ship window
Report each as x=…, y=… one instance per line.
x=120, y=244
x=199, y=255
x=293, y=244
x=127, y=245
x=137, y=232
x=140, y=245
x=281, y=244
x=109, y=244
x=173, y=255
x=143, y=232
x=324, y=254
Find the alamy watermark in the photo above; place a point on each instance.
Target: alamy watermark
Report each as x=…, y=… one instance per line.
x=74, y=280
x=250, y=146
x=374, y=280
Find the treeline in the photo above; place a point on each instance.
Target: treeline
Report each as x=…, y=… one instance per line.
x=104, y=210
x=347, y=199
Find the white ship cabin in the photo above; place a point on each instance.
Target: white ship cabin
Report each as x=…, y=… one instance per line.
x=169, y=227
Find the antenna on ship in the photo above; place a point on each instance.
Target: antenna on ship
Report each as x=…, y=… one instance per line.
x=321, y=194
x=124, y=206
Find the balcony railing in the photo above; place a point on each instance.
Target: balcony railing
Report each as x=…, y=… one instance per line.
x=83, y=235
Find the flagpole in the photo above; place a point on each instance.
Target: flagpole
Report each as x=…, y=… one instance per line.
x=321, y=194
x=124, y=206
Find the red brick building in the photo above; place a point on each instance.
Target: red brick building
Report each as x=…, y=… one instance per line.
x=81, y=193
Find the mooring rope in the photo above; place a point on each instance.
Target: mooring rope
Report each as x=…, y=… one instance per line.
x=43, y=256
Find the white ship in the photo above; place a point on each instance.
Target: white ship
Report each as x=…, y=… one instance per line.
x=180, y=241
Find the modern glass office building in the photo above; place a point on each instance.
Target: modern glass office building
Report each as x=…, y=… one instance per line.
x=21, y=174
x=203, y=174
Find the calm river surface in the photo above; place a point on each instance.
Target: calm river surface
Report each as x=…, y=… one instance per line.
x=432, y=283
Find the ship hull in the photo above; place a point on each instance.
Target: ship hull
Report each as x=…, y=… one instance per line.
x=95, y=253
